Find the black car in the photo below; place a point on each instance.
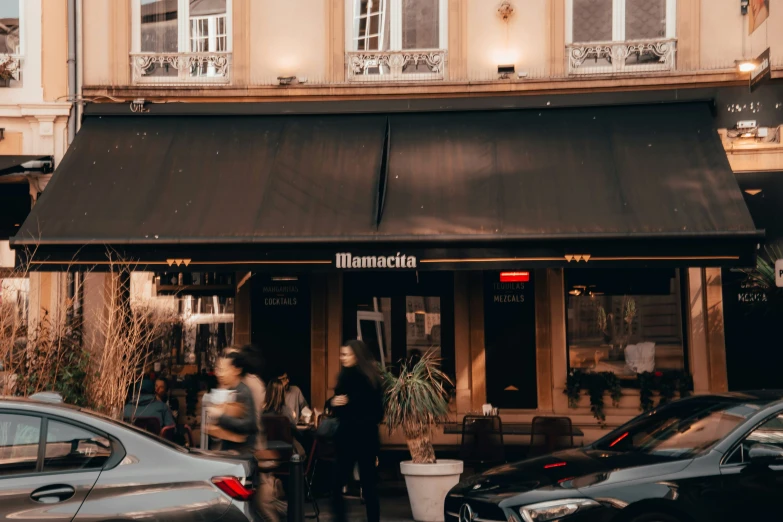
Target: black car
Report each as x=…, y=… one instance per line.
x=701, y=459
x=61, y=463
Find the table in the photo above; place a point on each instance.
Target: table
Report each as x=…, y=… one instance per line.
x=509, y=428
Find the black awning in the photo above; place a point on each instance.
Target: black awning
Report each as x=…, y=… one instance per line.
x=634, y=184
x=163, y=180
x=14, y=164
x=611, y=172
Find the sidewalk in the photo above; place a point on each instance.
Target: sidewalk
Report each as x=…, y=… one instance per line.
x=395, y=506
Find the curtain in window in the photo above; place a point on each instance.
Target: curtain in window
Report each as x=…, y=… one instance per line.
x=420, y=24
x=645, y=19
x=159, y=32
x=9, y=26
x=592, y=20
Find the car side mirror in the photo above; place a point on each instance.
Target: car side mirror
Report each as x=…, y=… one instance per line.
x=765, y=453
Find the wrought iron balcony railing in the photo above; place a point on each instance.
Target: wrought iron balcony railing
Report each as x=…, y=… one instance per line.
x=390, y=66
x=621, y=57
x=181, y=68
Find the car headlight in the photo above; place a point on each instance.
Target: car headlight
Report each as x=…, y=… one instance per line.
x=555, y=509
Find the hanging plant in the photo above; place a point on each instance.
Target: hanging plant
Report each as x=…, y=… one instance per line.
x=646, y=386
x=666, y=383
x=596, y=384
x=573, y=387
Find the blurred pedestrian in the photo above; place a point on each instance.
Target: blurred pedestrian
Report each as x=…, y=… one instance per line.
x=358, y=405
x=239, y=418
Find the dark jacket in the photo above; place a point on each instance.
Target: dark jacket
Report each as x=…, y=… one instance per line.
x=365, y=401
x=247, y=424
x=145, y=404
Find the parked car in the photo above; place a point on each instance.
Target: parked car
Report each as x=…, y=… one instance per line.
x=706, y=458
x=63, y=463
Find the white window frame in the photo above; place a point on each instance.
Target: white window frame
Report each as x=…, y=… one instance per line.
x=183, y=26
x=394, y=8
x=618, y=21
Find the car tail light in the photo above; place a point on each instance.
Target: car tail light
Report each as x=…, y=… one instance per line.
x=232, y=487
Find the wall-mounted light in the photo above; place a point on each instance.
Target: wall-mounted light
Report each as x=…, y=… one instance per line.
x=286, y=80
x=505, y=71
x=746, y=66
x=744, y=6
x=2, y=134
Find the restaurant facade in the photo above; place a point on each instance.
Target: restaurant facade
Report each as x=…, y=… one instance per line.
x=490, y=186
x=463, y=233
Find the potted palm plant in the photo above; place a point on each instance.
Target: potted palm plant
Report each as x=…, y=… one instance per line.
x=416, y=401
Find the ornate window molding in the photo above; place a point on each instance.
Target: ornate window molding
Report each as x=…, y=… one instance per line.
x=609, y=48
x=377, y=50
x=199, y=53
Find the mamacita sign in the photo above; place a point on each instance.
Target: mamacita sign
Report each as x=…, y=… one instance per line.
x=348, y=260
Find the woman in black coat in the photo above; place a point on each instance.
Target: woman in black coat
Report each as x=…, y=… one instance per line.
x=358, y=404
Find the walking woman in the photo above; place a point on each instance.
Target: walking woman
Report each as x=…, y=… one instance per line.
x=358, y=404
x=230, y=369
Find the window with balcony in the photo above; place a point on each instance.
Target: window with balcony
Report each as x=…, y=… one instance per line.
x=181, y=41
x=620, y=36
x=10, y=40
x=392, y=40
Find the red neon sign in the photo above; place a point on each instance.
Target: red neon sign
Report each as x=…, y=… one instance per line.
x=514, y=277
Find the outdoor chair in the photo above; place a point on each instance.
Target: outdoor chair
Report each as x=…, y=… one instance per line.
x=482, y=444
x=550, y=434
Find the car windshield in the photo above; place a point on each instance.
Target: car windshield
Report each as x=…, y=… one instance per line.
x=681, y=429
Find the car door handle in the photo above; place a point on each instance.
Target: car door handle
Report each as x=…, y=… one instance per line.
x=52, y=494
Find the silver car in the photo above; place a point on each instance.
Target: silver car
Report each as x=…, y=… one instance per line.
x=61, y=463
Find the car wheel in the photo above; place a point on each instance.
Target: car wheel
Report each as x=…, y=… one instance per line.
x=655, y=517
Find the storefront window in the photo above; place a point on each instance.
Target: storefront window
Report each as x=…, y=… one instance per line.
x=624, y=321
x=401, y=317
x=201, y=307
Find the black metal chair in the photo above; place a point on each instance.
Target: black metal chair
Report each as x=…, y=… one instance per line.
x=482, y=445
x=550, y=434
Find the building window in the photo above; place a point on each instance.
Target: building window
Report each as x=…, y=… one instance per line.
x=624, y=321
x=401, y=317
x=11, y=37
x=179, y=41
x=616, y=36
x=397, y=39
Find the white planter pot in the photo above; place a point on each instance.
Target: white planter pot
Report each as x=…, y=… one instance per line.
x=428, y=485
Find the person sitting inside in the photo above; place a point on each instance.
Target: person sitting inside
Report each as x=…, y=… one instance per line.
x=276, y=405
x=294, y=398
x=163, y=395
x=144, y=404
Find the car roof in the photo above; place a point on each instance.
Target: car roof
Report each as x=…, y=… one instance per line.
x=41, y=405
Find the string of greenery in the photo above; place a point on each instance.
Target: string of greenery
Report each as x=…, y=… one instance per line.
x=667, y=383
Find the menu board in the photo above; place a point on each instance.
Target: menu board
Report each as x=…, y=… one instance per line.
x=280, y=311
x=510, y=342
